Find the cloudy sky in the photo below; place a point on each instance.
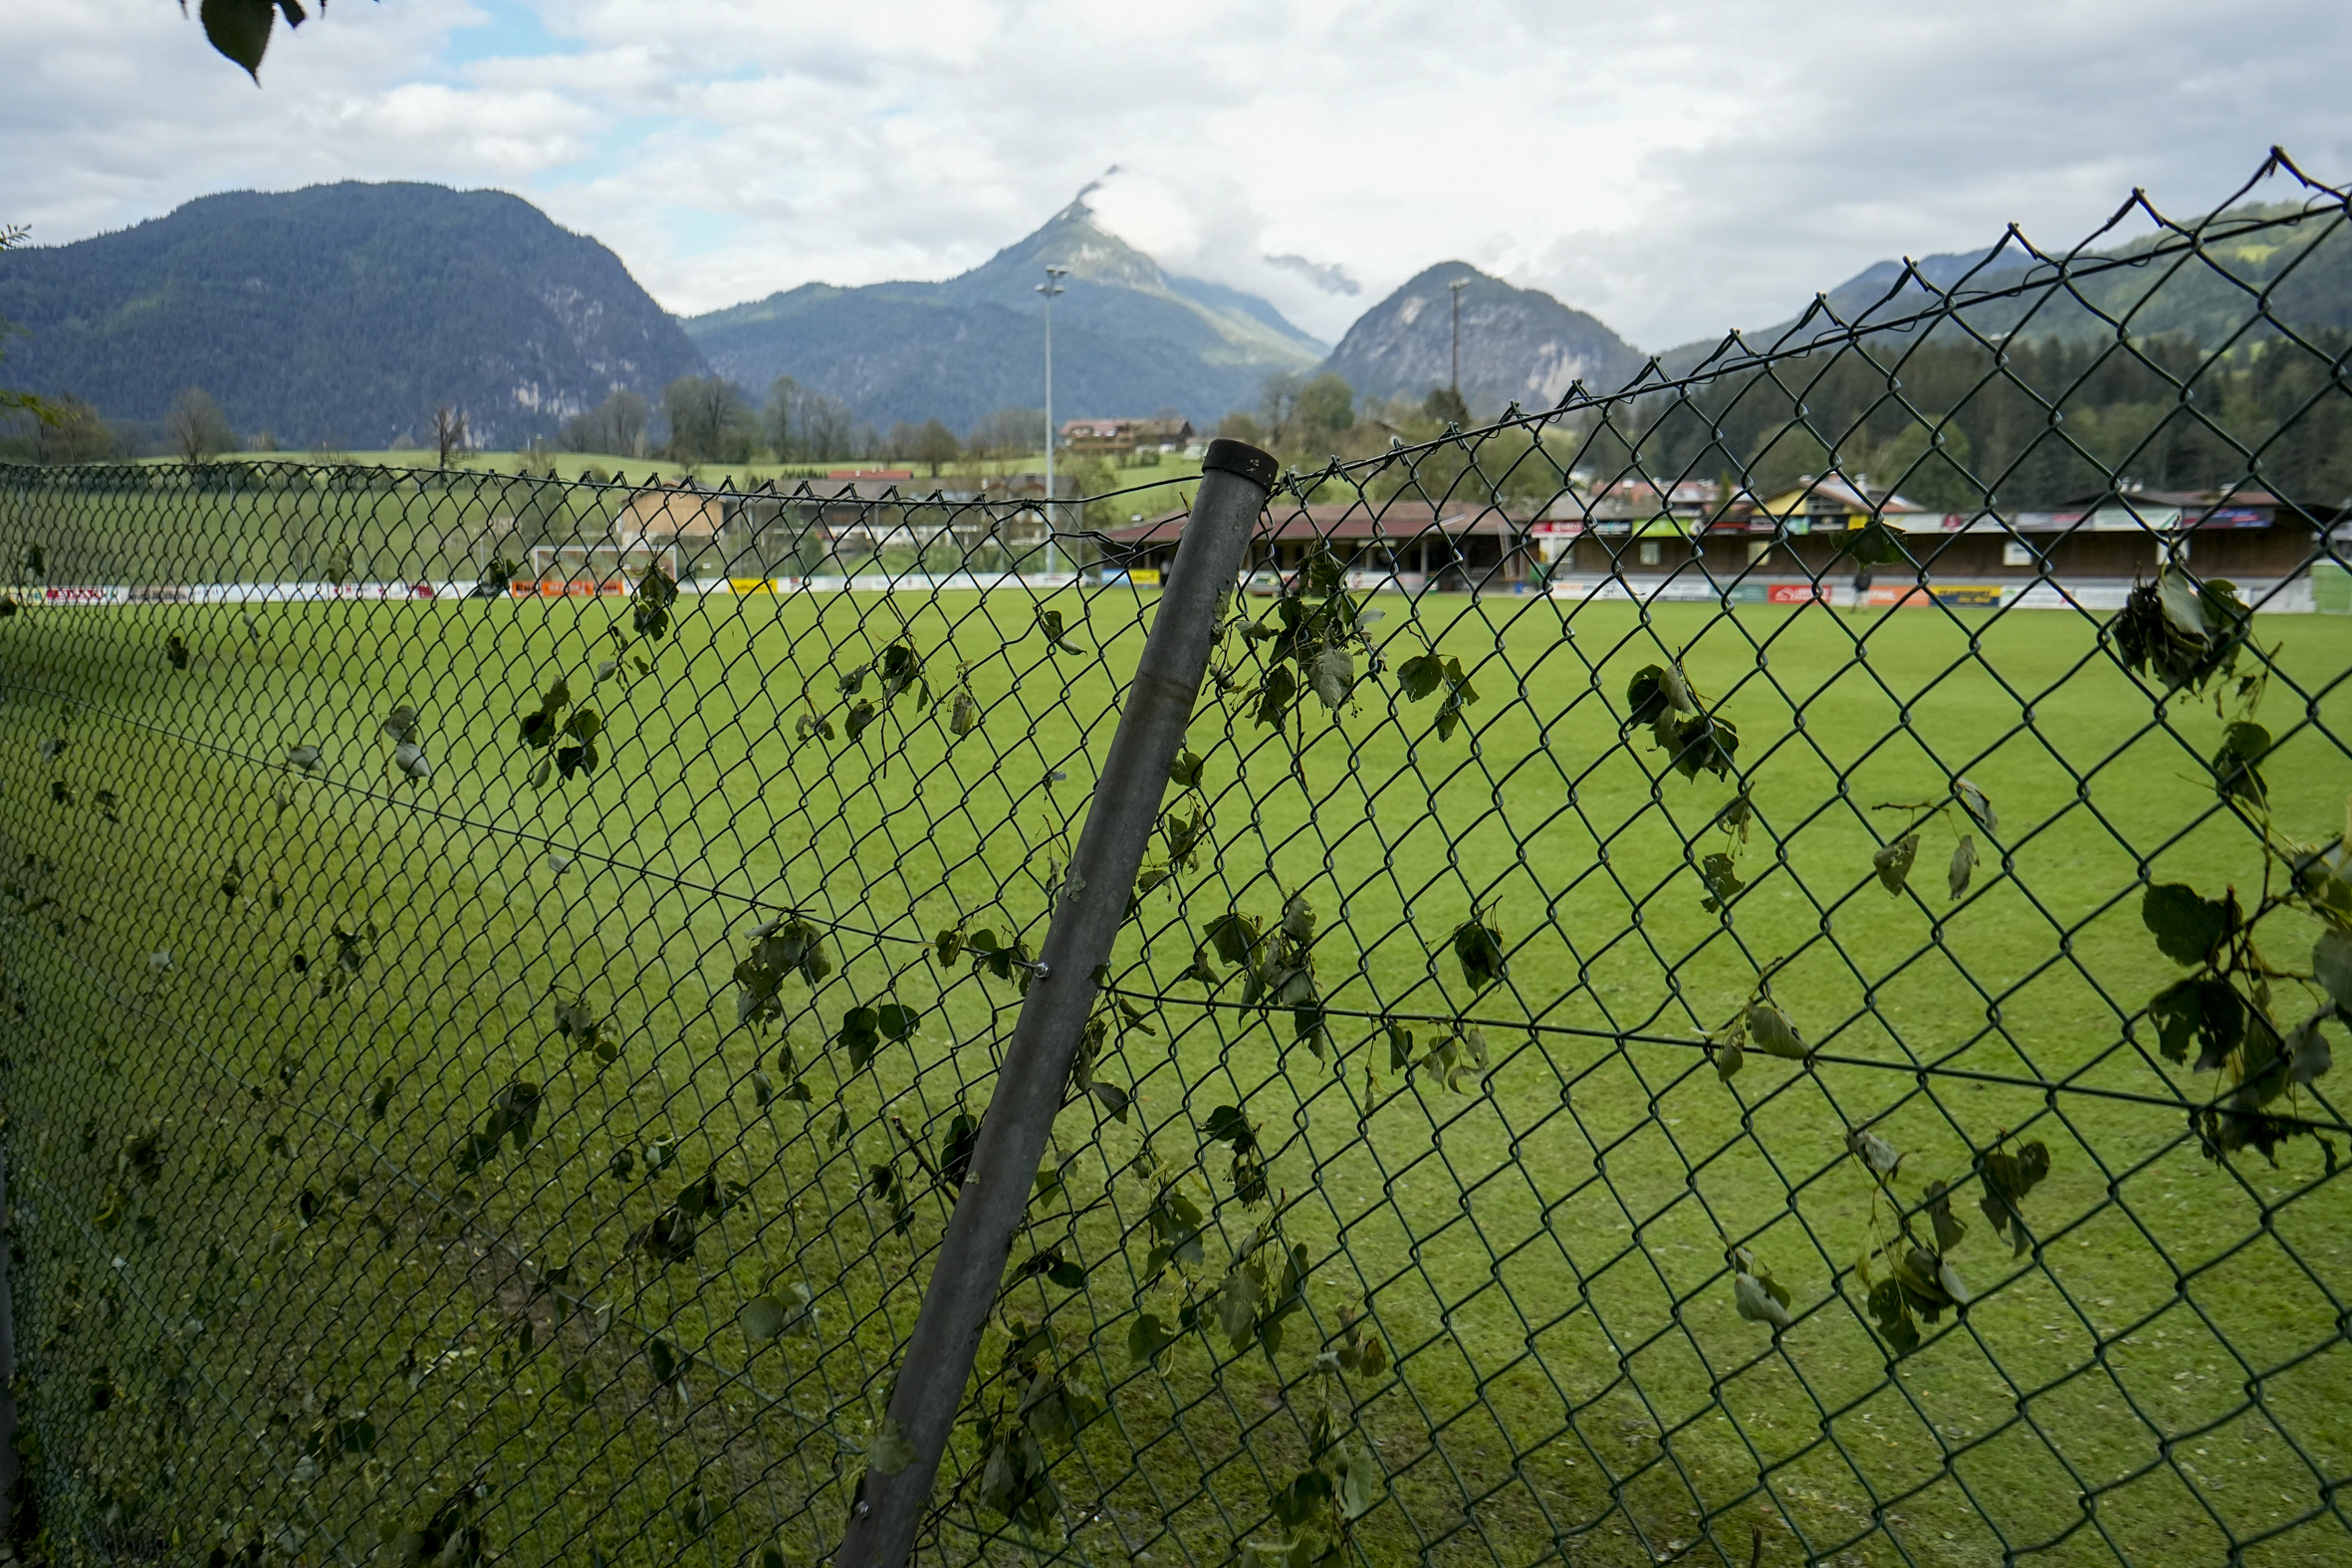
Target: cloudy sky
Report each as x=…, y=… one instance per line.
x=1677, y=167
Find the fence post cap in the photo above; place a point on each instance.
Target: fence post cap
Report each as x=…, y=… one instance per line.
x=1239, y=457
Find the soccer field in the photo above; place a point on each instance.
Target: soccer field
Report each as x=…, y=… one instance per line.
x=363, y=1100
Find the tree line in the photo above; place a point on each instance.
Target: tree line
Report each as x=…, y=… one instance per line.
x=708, y=420
x=1951, y=423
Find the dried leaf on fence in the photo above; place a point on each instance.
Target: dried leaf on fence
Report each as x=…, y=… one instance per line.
x=2008, y=1178
x=1478, y=946
x=1049, y=624
x=1892, y=861
x=1964, y=865
x=1882, y=1157
x=1721, y=873
x=1977, y=805
x=1949, y=1228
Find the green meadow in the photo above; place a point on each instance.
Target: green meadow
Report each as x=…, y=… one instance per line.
x=389, y=1160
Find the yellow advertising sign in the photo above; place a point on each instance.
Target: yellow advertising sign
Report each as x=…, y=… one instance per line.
x=1144, y=576
x=752, y=584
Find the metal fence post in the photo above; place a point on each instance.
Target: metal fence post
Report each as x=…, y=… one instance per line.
x=8, y=1461
x=1235, y=482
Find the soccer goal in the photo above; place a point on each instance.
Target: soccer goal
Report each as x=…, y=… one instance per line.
x=585, y=570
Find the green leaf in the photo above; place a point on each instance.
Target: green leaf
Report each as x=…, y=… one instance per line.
x=2307, y=1052
x=889, y=1452
x=574, y=1386
x=2244, y=743
x=1176, y=1219
x=897, y=1022
x=1303, y=1499
x=2177, y=596
x=1298, y=919
x=1067, y=1273
x=239, y=29
x=1114, y=1099
x=1756, y=1303
x=1948, y=1228
x=1237, y=1303
x=1185, y=770
x=1360, y=1481
x=1654, y=692
x=1421, y=676
x=762, y=1317
x=1892, y=1309
x=1226, y=1124
x=1147, y=1336
x=964, y=717
x=1334, y=677
x=2187, y=926
x=1721, y=873
x=1728, y=1057
x=2331, y=965
x=1459, y=695
x=1771, y=1031
x=860, y=1034
x=956, y=1150
x=1892, y=861
x=2202, y=1010
x=667, y=1364
x=1236, y=937
x=2008, y=1178
x=1276, y=694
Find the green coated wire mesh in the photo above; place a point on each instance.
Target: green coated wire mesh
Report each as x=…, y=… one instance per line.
x=1737, y=970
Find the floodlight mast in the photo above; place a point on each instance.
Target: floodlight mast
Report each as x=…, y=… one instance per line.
x=1050, y=287
x=1458, y=285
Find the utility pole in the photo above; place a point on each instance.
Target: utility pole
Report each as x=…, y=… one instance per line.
x=1050, y=287
x=1458, y=285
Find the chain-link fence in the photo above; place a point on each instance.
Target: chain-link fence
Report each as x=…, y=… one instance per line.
x=1739, y=972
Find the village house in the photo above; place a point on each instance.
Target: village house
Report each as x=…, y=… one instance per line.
x=680, y=515
x=1466, y=544
x=1125, y=437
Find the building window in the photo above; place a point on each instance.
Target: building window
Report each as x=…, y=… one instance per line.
x=1651, y=552
x=1758, y=548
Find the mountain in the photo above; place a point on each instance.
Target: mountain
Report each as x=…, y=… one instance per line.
x=1128, y=337
x=1518, y=345
x=2300, y=261
x=341, y=313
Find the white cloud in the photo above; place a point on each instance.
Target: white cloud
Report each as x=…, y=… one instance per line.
x=1676, y=169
